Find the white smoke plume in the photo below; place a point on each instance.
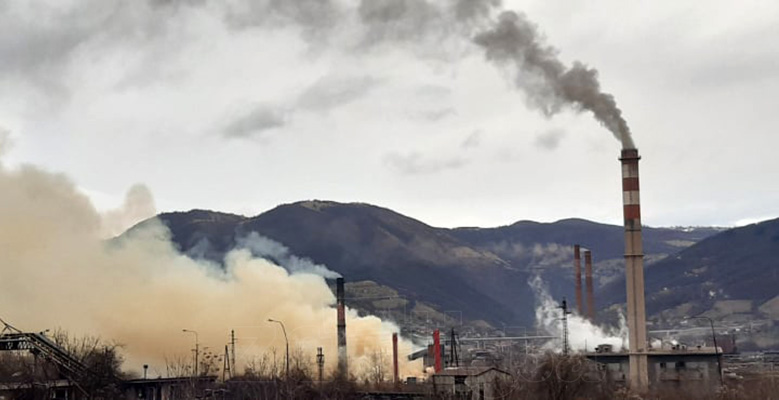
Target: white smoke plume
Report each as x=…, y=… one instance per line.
x=583, y=334
x=57, y=272
x=273, y=251
x=138, y=206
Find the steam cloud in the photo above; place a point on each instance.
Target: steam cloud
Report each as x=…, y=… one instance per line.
x=139, y=291
x=273, y=251
x=583, y=334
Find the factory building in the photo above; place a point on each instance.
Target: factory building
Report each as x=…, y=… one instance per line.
x=475, y=383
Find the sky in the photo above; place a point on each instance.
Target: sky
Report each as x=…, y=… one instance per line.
x=240, y=106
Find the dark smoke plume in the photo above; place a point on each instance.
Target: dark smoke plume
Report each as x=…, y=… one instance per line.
x=549, y=83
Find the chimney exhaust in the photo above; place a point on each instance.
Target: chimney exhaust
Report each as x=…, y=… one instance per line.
x=589, y=285
x=343, y=368
x=577, y=267
x=634, y=271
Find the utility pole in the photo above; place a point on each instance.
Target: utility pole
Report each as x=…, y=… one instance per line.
x=226, y=369
x=454, y=358
x=564, y=307
x=232, y=347
x=197, y=348
x=320, y=363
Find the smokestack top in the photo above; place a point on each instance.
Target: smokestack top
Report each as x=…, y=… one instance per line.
x=576, y=250
x=339, y=288
x=630, y=154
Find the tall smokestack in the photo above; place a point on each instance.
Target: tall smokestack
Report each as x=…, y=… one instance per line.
x=577, y=267
x=395, y=376
x=634, y=271
x=437, y=350
x=589, y=285
x=343, y=368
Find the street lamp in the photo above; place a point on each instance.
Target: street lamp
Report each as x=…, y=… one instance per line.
x=197, y=347
x=286, y=340
x=716, y=348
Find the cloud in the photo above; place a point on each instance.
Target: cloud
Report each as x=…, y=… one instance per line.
x=550, y=139
x=473, y=140
x=5, y=141
x=333, y=91
x=435, y=115
x=315, y=17
x=255, y=122
x=415, y=164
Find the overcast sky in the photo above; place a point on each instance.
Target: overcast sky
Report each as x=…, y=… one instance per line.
x=243, y=105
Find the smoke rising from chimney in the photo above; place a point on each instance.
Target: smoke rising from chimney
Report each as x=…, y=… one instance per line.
x=550, y=85
x=277, y=253
x=140, y=291
x=584, y=334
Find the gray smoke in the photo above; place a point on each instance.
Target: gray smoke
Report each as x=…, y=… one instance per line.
x=550, y=84
x=43, y=52
x=262, y=247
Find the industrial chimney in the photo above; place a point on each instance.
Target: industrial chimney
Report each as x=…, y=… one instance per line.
x=343, y=369
x=634, y=271
x=589, y=285
x=437, y=350
x=395, y=375
x=577, y=267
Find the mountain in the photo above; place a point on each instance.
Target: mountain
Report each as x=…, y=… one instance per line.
x=510, y=242
x=730, y=276
x=545, y=248
x=418, y=272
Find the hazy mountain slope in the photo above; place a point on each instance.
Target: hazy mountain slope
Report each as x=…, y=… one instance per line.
x=481, y=273
x=516, y=242
x=737, y=264
x=365, y=242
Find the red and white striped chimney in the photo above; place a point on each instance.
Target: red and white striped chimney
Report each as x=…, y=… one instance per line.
x=634, y=271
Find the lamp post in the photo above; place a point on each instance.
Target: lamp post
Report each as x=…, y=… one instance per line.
x=197, y=348
x=716, y=348
x=286, y=363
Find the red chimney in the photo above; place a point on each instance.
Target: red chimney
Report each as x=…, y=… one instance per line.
x=437, y=350
x=396, y=377
x=589, y=284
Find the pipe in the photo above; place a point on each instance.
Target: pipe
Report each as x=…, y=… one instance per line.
x=395, y=376
x=577, y=267
x=589, y=285
x=634, y=271
x=437, y=350
x=343, y=368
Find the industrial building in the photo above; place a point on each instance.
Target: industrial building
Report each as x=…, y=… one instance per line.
x=468, y=382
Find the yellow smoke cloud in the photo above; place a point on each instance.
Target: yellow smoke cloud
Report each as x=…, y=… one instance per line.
x=56, y=271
